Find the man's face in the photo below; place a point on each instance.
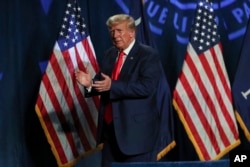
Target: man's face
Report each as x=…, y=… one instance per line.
x=121, y=35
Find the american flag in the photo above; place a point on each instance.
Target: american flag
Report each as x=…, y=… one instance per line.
x=68, y=118
x=202, y=96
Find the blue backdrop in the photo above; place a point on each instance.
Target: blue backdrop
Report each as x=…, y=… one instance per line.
x=29, y=29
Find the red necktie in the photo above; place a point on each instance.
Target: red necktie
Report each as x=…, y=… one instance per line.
x=115, y=73
x=118, y=65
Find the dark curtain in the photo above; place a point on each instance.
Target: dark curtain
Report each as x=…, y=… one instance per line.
x=28, y=31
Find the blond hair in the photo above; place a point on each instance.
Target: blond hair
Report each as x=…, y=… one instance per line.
x=120, y=18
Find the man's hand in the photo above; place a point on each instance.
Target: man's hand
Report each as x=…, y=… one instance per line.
x=84, y=78
x=103, y=85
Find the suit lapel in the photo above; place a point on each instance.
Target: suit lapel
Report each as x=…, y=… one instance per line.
x=130, y=60
x=110, y=61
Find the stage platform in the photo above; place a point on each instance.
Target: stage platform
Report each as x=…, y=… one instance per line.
x=94, y=160
x=219, y=163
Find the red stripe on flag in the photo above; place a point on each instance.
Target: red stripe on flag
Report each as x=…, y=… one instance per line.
x=81, y=98
x=219, y=97
x=211, y=106
x=191, y=126
x=86, y=111
x=59, y=113
x=227, y=88
x=205, y=93
x=209, y=99
x=224, y=79
x=82, y=67
x=69, y=98
x=200, y=114
x=50, y=129
x=90, y=54
x=67, y=94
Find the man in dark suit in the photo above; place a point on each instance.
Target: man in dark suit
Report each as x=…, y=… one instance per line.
x=129, y=132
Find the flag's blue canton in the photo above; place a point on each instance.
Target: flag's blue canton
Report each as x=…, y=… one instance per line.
x=73, y=28
x=204, y=34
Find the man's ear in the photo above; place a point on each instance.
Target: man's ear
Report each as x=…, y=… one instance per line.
x=132, y=34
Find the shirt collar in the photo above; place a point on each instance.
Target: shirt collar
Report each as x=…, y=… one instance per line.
x=128, y=49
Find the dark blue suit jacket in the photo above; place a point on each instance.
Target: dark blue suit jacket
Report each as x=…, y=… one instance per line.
x=133, y=97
